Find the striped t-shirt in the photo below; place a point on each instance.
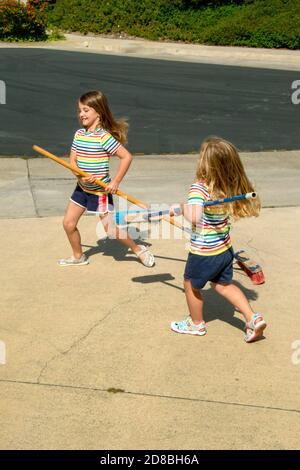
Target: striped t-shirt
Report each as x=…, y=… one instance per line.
x=93, y=150
x=210, y=236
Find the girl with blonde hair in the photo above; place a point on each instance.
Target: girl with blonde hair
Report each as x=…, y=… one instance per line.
x=220, y=174
x=100, y=137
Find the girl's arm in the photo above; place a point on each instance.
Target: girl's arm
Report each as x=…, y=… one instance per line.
x=125, y=161
x=73, y=161
x=191, y=212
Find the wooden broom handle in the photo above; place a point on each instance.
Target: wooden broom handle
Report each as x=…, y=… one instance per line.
x=83, y=173
x=99, y=182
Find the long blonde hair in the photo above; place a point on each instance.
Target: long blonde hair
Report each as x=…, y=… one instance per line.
x=118, y=128
x=222, y=170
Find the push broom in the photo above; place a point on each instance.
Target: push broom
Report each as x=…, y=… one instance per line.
x=252, y=269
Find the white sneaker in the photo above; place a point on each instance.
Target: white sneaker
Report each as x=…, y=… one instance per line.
x=255, y=328
x=145, y=256
x=74, y=261
x=188, y=327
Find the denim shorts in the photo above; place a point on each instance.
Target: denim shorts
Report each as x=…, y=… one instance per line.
x=97, y=204
x=201, y=269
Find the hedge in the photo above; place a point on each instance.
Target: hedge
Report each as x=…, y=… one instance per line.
x=19, y=22
x=254, y=23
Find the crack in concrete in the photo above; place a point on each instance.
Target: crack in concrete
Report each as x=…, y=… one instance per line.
x=84, y=337
x=259, y=251
x=31, y=190
x=153, y=395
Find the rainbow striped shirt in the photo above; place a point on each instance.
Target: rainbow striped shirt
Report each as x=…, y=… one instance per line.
x=211, y=235
x=93, y=150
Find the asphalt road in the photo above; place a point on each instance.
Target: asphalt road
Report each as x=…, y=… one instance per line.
x=171, y=106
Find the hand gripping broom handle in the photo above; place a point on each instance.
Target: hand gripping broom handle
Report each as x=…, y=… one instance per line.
x=83, y=173
x=99, y=182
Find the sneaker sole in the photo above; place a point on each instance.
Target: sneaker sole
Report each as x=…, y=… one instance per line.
x=258, y=332
x=194, y=333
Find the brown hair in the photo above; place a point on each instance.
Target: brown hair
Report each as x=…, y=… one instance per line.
x=221, y=169
x=118, y=128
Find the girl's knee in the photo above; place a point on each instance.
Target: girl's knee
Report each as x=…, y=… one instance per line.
x=69, y=225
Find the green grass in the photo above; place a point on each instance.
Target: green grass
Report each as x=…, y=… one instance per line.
x=55, y=35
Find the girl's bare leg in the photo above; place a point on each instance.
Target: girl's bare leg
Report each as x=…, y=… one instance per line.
x=195, y=302
x=71, y=218
x=114, y=231
x=236, y=297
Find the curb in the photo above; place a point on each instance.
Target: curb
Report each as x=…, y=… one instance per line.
x=224, y=55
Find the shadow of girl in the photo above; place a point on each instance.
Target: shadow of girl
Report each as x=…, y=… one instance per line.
x=216, y=308
x=111, y=247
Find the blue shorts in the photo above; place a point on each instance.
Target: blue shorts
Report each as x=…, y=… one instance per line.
x=201, y=269
x=97, y=204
